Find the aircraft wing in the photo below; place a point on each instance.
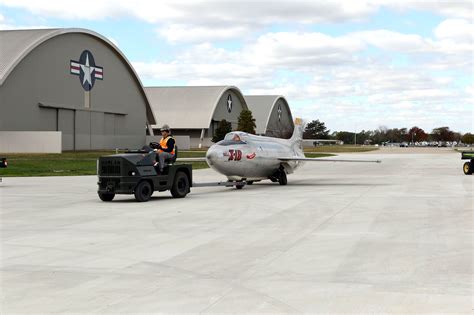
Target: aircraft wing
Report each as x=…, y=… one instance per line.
x=287, y=159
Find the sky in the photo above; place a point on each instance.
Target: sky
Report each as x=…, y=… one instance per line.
x=352, y=64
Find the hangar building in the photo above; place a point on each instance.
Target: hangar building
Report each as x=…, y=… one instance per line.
x=74, y=81
x=195, y=111
x=272, y=115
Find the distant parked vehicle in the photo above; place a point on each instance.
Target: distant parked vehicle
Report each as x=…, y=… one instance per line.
x=403, y=145
x=468, y=166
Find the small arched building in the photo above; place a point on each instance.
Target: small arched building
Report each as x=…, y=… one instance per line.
x=195, y=111
x=272, y=115
x=74, y=81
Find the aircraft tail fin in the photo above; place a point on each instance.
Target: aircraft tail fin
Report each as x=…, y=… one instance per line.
x=297, y=137
x=298, y=131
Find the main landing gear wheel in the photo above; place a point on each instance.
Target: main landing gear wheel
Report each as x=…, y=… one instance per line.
x=143, y=191
x=240, y=184
x=282, y=180
x=467, y=168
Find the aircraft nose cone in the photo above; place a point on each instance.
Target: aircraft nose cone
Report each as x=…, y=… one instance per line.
x=211, y=156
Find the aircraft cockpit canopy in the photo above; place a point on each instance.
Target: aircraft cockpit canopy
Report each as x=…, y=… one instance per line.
x=234, y=138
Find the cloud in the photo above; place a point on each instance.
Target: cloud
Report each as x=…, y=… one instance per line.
x=336, y=64
x=447, y=8
x=205, y=65
x=455, y=29
x=342, y=84
x=92, y=10
x=191, y=34
x=210, y=11
x=199, y=20
x=302, y=49
x=394, y=41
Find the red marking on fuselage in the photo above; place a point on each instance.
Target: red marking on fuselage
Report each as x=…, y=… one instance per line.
x=235, y=155
x=251, y=156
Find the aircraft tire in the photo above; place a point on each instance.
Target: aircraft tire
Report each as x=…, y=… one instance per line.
x=106, y=196
x=143, y=191
x=467, y=168
x=282, y=179
x=250, y=182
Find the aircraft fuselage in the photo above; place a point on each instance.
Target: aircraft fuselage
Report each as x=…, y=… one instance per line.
x=242, y=156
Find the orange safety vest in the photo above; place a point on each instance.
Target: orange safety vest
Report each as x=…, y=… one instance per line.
x=164, y=144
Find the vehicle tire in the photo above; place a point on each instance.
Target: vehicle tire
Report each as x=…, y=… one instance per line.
x=106, y=196
x=180, y=186
x=143, y=191
x=239, y=186
x=467, y=168
x=282, y=178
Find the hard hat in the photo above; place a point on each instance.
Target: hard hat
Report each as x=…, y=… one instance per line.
x=165, y=128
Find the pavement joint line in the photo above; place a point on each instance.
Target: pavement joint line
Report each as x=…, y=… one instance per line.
x=311, y=231
x=239, y=285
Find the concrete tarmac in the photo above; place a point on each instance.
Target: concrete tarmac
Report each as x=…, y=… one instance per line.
x=340, y=237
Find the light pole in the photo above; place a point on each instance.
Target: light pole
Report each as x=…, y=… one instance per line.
x=413, y=134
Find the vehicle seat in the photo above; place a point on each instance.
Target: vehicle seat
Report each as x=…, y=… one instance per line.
x=175, y=156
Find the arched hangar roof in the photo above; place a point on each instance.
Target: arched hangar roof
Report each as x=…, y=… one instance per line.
x=188, y=107
x=262, y=107
x=15, y=45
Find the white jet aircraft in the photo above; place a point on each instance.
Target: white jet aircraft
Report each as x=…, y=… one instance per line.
x=245, y=158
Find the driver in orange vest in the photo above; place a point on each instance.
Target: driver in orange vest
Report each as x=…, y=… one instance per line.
x=165, y=149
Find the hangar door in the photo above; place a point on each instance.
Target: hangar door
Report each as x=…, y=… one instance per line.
x=96, y=130
x=87, y=129
x=90, y=130
x=65, y=124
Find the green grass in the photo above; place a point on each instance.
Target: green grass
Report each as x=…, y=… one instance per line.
x=341, y=148
x=317, y=155
x=75, y=163
x=66, y=163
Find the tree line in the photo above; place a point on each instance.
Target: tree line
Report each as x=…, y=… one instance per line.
x=245, y=123
x=317, y=129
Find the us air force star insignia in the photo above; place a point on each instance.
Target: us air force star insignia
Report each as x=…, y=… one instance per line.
x=229, y=103
x=279, y=112
x=87, y=71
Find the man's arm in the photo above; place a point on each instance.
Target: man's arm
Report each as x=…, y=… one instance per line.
x=155, y=145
